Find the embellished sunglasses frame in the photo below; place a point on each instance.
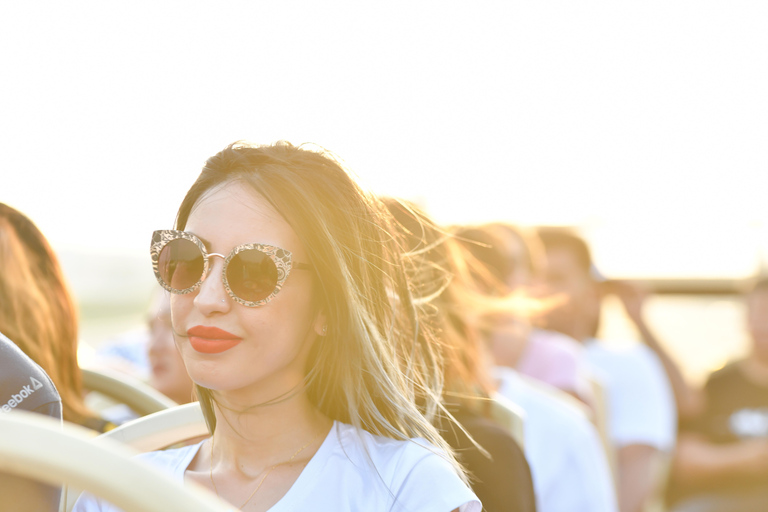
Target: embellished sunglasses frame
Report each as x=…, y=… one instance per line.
x=281, y=258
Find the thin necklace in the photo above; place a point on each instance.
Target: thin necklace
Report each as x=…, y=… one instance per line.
x=210, y=472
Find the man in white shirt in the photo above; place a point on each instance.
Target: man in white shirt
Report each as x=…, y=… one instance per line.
x=568, y=464
x=642, y=419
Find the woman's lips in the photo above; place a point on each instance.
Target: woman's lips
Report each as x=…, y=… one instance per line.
x=211, y=340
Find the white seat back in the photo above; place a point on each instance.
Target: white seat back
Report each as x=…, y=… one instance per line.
x=161, y=429
x=152, y=432
x=511, y=416
x=39, y=447
x=124, y=389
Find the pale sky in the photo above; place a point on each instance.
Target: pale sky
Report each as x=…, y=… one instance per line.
x=644, y=123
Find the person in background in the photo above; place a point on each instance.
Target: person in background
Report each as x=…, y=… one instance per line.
x=501, y=478
x=571, y=472
x=314, y=372
x=25, y=386
x=167, y=372
x=126, y=352
x=150, y=355
x=516, y=258
x=38, y=312
x=721, y=464
x=642, y=420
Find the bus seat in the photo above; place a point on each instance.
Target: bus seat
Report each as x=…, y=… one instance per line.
x=511, y=416
x=160, y=429
x=39, y=447
x=121, y=388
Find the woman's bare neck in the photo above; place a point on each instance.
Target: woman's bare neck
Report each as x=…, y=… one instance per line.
x=268, y=434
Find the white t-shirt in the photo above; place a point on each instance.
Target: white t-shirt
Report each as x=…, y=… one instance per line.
x=568, y=464
x=407, y=476
x=641, y=404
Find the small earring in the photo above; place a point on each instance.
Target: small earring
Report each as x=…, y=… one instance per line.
x=223, y=300
x=325, y=330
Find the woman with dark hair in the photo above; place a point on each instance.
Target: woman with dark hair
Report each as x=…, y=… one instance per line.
x=291, y=311
x=38, y=313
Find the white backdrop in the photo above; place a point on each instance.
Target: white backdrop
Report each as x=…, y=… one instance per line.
x=645, y=123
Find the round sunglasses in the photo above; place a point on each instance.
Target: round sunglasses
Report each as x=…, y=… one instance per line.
x=252, y=275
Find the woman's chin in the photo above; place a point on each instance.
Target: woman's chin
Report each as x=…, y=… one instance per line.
x=224, y=384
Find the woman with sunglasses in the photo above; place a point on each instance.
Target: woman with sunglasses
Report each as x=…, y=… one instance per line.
x=293, y=317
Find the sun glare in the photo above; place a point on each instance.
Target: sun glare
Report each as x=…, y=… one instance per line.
x=642, y=125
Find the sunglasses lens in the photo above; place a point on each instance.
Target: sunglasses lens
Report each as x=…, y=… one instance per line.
x=252, y=275
x=181, y=264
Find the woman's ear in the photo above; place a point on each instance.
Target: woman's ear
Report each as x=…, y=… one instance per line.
x=320, y=325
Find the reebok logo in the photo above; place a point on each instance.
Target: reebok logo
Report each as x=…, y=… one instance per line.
x=23, y=393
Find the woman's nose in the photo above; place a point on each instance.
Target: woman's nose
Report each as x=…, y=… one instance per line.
x=212, y=297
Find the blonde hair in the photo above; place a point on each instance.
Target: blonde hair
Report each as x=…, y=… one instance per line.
x=443, y=290
x=462, y=297
x=376, y=368
x=37, y=311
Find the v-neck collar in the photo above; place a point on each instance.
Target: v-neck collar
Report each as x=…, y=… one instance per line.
x=303, y=484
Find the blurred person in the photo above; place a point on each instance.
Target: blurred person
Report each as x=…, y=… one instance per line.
x=150, y=354
x=516, y=258
x=291, y=311
x=641, y=406
x=126, y=353
x=38, y=312
x=570, y=469
x=25, y=386
x=152, y=347
x=501, y=477
x=633, y=297
x=571, y=472
x=167, y=371
x=721, y=464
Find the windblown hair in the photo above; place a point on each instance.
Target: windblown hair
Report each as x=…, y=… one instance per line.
x=504, y=249
x=37, y=311
x=445, y=289
x=501, y=251
x=376, y=368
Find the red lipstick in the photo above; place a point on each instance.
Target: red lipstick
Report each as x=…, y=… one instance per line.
x=211, y=340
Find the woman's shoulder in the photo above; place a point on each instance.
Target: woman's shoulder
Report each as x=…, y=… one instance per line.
x=384, y=451
x=406, y=468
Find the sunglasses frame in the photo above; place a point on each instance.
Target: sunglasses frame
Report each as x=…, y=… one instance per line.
x=280, y=257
